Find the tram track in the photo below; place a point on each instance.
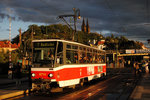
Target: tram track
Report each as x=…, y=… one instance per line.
x=68, y=92
x=89, y=91
x=118, y=85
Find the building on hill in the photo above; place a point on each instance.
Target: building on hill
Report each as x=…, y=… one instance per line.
x=98, y=44
x=85, y=27
x=142, y=45
x=4, y=46
x=101, y=45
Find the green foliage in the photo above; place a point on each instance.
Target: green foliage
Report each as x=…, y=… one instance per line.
x=16, y=39
x=122, y=42
x=15, y=57
x=2, y=58
x=60, y=31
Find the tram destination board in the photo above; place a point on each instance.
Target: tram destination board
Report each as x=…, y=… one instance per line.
x=44, y=44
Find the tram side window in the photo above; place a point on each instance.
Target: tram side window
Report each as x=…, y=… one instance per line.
x=82, y=57
x=71, y=57
x=95, y=59
x=89, y=58
x=101, y=58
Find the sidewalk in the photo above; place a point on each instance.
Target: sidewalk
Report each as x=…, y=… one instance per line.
x=11, y=81
x=142, y=90
x=9, y=89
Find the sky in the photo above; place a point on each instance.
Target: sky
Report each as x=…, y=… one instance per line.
x=129, y=18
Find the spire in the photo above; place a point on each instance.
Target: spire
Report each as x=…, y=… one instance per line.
x=83, y=27
x=87, y=27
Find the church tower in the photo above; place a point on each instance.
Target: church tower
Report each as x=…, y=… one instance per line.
x=87, y=27
x=83, y=27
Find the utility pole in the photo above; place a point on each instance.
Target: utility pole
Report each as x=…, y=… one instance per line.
x=75, y=16
x=10, y=64
x=10, y=72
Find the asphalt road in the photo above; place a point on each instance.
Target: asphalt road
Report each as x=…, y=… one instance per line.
x=118, y=87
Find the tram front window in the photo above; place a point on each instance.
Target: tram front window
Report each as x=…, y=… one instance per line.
x=44, y=53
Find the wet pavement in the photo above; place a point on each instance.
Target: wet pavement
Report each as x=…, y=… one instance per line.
x=118, y=86
x=142, y=90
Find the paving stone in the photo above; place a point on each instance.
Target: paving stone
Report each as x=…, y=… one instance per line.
x=146, y=96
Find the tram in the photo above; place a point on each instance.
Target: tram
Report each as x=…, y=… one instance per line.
x=61, y=63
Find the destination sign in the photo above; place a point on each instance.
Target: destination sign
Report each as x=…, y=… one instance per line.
x=44, y=44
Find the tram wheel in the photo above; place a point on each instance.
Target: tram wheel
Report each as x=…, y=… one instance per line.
x=74, y=86
x=103, y=76
x=81, y=82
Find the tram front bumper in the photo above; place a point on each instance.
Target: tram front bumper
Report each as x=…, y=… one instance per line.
x=43, y=84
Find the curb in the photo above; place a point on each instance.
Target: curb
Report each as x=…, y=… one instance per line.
x=10, y=95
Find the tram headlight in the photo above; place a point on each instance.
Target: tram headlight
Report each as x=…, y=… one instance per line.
x=33, y=74
x=50, y=75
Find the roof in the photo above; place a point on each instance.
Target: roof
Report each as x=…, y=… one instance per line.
x=5, y=44
x=72, y=42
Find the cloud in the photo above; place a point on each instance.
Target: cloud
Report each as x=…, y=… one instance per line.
x=121, y=17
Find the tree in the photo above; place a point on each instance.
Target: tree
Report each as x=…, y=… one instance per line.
x=2, y=58
x=60, y=31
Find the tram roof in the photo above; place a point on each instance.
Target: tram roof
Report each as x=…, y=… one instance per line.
x=72, y=42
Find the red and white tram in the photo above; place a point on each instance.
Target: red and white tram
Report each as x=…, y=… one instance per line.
x=64, y=63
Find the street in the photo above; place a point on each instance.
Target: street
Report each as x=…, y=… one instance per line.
x=118, y=87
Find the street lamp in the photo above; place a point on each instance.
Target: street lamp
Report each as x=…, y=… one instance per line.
x=115, y=58
x=76, y=16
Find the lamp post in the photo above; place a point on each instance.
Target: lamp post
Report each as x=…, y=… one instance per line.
x=75, y=20
x=115, y=58
x=75, y=16
x=117, y=54
x=116, y=44
x=29, y=57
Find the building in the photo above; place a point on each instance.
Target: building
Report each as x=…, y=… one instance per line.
x=4, y=46
x=101, y=45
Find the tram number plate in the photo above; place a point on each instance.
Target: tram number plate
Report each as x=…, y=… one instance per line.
x=42, y=74
x=90, y=70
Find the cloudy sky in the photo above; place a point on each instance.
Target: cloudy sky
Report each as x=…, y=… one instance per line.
x=129, y=18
